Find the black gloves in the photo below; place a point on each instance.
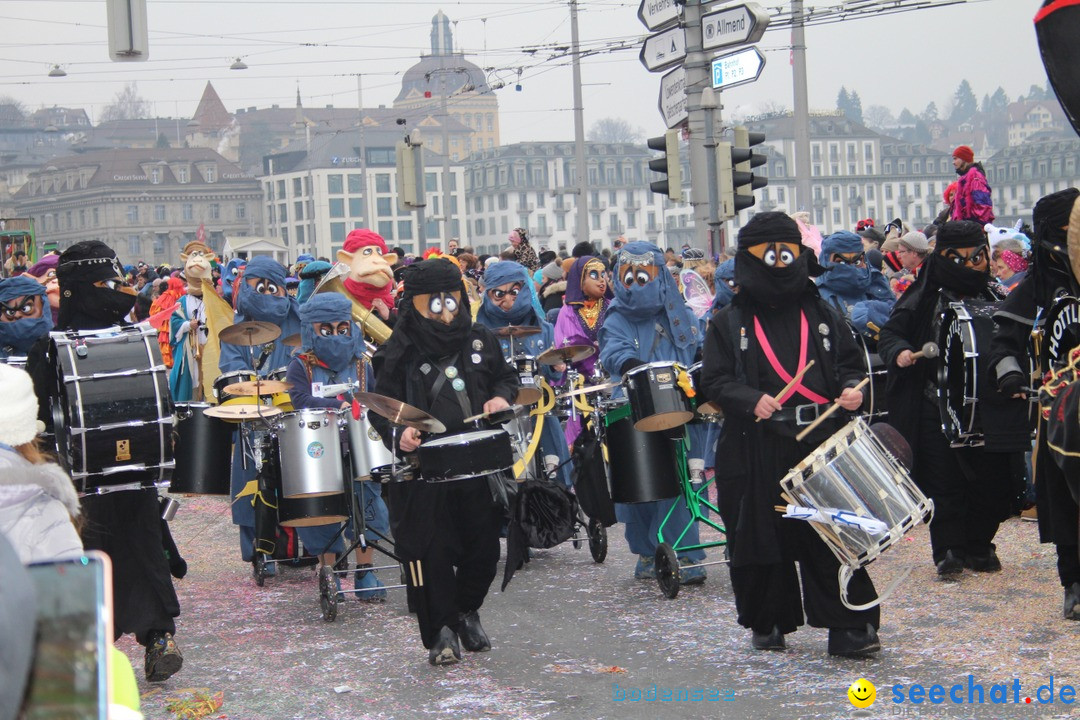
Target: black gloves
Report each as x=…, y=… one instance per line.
x=1011, y=383
x=630, y=365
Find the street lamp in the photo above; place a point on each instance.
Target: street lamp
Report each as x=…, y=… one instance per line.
x=238, y=64
x=57, y=71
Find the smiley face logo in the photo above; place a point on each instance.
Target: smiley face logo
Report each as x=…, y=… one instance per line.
x=862, y=693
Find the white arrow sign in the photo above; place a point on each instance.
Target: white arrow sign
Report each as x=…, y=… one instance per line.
x=655, y=14
x=737, y=68
x=664, y=49
x=673, y=97
x=733, y=26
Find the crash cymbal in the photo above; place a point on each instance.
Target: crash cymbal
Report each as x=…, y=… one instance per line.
x=566, y=354
x=498, y=417
x=242, y=413
x=588, y=389
x=400, y=413
x=516, y=330
x=292, y=340
x=263, y=387
x=250, y=333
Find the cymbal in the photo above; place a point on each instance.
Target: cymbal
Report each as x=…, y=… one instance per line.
x=566, y=354
x=263, y=387
x=292, y=340
x=498, y=417
x=588, y=389
x=242, y=413
x=516, y=330
x=250, y=333
x=400, y=413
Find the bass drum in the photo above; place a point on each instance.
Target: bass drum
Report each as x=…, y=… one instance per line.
x=964, y=375
x=111, y=408
x=202, y=446
x=642, y=463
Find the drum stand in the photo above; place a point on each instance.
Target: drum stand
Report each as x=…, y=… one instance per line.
x=329, y=593
x=667, y=559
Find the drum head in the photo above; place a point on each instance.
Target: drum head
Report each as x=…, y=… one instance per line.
x=663, y=421
x=528, y=396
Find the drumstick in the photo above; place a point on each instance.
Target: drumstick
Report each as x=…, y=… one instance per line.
x=794, y=381
x=929, y=350
x=830, y=411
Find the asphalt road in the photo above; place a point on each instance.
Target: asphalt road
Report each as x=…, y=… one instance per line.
x=570, y=635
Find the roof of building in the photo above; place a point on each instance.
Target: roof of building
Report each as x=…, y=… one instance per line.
x=211, y=115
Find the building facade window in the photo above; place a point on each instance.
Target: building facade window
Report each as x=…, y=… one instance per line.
x=214, y=211
x=334, y=184
x=336, y=207
x=159, y=213
x=133, y=214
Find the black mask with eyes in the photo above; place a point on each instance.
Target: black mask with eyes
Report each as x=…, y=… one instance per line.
x=773, y=286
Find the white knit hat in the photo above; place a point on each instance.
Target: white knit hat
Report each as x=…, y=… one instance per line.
x=19, y=410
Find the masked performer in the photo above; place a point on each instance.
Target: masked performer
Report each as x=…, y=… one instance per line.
x=1024, y=310
x=44, y=271
x=774, y=326
x=332, y=354
x=581, y=317
x=261, y=297
x=439, y=361
x=510, y=299
x=649, y=321
x=849, y=284
x=126, y=525
x=969, y=485
x=24, y=315
x=370, y=281
x=187, y=327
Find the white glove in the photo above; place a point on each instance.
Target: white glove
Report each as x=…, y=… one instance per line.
x=183, y=330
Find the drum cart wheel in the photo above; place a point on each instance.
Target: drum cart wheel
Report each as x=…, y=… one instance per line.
x=597, y=540
x=258, y=568
x=328, y=599
x=667, y=570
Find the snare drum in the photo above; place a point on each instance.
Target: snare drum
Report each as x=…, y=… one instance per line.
x=530, y=392
x=281, y=400
x=366, y=449
x=642, y=463
x=203, y=450
x=852, y=471
x=464, y=456
x=656, y=400
x=964, y=369
x=111, y=408
x=309, y=452
x=229, y=378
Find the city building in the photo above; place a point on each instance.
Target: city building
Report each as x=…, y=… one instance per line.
x=1046, y=162
x=146, y=203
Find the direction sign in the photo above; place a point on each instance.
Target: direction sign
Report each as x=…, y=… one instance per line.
x=655, y=14
x=673, y=97
x=737, y=68
x=664, y=49
x=733, y=26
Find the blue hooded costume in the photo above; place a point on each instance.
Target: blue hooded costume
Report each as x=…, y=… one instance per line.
x=17, y=337
x=280, y=311
x=853, y=290
x=526, y=310
x=725, y=274
x=648, y=323
x=336, y=359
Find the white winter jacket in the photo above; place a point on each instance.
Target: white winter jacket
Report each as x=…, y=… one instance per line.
x=37, y=503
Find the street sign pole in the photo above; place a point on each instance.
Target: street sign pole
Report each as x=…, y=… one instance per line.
x=697, y=78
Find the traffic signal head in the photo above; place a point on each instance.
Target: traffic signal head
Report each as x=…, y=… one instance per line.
x=668, y=164
x=744, y=160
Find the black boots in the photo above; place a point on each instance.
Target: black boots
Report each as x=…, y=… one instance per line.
x=772, y=640
x=950, y=564
x=1072, y=602
x=446, y=649
x=852, y=643
x=473, y=637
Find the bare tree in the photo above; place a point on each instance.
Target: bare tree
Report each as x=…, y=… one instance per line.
x=127, y=105
x=12, y=112
x=879, y=117
x=614, y=130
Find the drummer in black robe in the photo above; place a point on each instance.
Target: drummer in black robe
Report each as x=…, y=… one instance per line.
x=439, y=361
x=1022, y=311
x=773, y=328
x=969, y=485
x=127, y=524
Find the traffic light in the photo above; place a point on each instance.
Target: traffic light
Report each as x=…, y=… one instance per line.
x=409, y=179
x=668, y=164
x=744, y=160
x=723, y=175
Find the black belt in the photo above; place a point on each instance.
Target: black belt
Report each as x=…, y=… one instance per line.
x=801, y=415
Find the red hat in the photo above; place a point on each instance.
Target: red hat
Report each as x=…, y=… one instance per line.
x=964, y=153
x=362, y=237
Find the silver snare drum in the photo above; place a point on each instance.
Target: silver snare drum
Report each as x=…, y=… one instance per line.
x=309, y=449
x=366, y=449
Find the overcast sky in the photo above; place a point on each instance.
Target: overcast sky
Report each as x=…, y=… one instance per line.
x=903, y=60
